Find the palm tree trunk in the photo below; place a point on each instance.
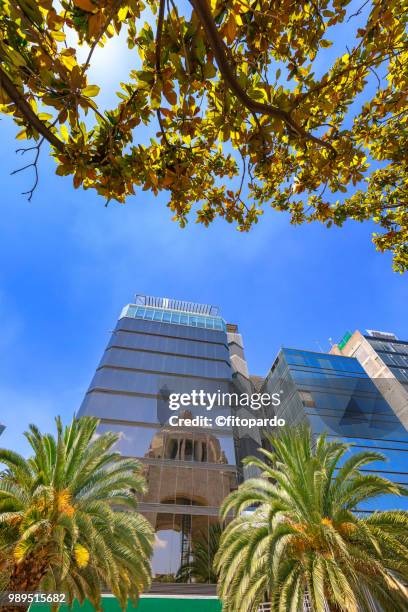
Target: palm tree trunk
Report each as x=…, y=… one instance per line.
x=26, y=577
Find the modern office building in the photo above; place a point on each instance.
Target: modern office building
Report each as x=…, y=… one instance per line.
x=334, y=394
x=161, y=347
x=385, y=359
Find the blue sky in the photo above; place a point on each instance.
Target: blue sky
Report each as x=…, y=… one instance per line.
x=68, y=265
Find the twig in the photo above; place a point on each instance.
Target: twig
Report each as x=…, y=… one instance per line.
x=392, y=117
x=323, y=190
x=162, y=128
x=243, y=173
x=376, y=76
x=33, y=164
x=359, y=10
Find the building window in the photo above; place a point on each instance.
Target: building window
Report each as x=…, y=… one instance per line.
x=173, y=449
x=326, y=364
x=188, y=450
x=307, y=399
x=175, y=317
x=179, y=318
x=297, y=359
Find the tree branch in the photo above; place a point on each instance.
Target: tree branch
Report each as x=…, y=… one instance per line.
x=29, y=115
x=159, y=35
x=220, y=51
x=394, y=206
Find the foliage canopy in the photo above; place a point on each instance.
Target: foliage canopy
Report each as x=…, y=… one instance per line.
x=297, y=535
x=228, y=88
x=65, y=524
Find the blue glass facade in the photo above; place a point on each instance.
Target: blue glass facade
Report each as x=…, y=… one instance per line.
x=334, y=395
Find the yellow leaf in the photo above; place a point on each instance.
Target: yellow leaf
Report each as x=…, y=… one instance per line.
x=58, y=36
x=86, y=5
x=22, y=135
x=168, y=179
x=209, y=70
x=171, y=96
x=64, y=133
x=4, y=99
x=91, y=91
x=21, y=550
x=231, y=29
x=122, y=13
x=153, y=178
x=68, y=61
x=16, y=58
x=95, y=23
x=170, y=93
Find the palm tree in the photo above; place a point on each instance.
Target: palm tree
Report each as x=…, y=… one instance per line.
x=201, y=567
x=297, y=534
x=68, y=519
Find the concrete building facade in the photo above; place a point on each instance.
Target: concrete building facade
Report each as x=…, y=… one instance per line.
x=385, y=359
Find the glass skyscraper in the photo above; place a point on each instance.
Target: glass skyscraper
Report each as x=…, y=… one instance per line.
x=160, y=347
x=334, y=394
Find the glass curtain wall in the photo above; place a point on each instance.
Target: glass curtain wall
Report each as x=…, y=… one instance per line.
x=153, y=353
x=333, y=394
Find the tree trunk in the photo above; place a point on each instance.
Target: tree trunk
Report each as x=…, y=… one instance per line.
x=26, y=577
